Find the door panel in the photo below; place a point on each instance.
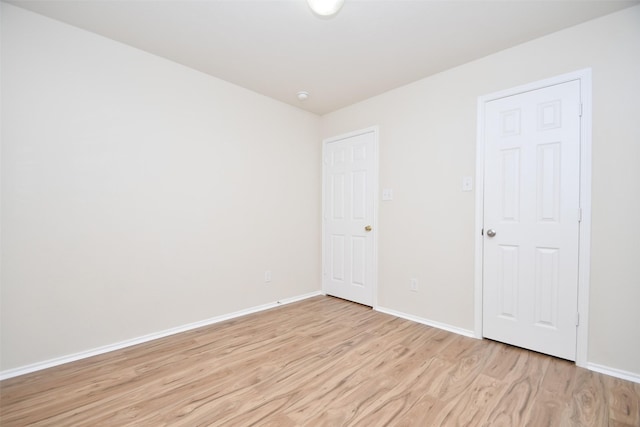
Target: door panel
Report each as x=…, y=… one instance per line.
x=531, y=201
x=349, y=185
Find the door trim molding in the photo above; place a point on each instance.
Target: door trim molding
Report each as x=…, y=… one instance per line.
x=376, y=168
x=584, y=256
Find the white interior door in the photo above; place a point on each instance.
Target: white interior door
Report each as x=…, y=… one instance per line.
x=349, y=181
x=531, y=219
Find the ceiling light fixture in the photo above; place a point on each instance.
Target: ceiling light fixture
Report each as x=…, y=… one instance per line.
x=325, y=7
x=303, y=95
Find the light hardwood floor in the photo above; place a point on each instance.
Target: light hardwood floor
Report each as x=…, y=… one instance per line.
x=319, y=362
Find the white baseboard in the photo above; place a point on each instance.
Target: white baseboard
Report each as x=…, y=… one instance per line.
x=433, y=323
x=613, y=372
x=10, y=373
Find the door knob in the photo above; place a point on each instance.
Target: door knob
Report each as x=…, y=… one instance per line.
x=367, y=228
x=491, y=232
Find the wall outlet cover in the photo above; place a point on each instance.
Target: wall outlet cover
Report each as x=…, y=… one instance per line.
x=467, y=183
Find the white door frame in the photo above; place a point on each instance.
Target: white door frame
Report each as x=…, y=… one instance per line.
x=325, y=142
x=584, y=257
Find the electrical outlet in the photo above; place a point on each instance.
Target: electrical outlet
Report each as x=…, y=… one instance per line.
x=413, y=285
x=467, y=183
x=267, y=276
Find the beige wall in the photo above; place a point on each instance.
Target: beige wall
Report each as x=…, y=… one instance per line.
x=139, y=195
x=428, y=141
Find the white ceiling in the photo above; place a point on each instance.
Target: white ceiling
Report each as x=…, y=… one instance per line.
x=278, y=48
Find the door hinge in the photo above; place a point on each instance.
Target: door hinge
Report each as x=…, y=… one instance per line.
x=577, y=319
x=579, y=214
x=482, y=232
x=580, y=109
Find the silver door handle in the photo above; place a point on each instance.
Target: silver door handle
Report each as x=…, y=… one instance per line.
x=491, y=232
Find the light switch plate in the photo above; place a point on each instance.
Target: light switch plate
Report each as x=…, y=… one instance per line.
x=387, y=194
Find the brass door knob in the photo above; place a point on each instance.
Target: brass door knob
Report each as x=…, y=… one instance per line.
x=368, y=228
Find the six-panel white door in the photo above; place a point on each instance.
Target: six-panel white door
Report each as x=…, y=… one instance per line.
x=348, y=244
x=531, y=219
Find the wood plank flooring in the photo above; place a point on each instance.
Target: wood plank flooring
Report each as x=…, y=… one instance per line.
x=319, y=362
